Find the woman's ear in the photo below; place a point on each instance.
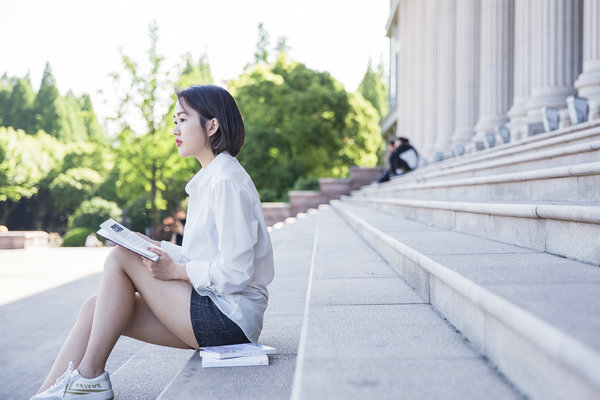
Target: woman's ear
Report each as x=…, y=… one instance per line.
x=212, y=126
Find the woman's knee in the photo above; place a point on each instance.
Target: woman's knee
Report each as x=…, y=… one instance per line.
x=86, y=313
x=117, y=258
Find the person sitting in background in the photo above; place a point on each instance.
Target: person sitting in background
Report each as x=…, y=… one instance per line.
x=177, y=237
x=385, y=175
x=92, y=241
x=405, y=158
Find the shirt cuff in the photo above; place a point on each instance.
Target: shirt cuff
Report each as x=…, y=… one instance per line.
x=172, y=250
x=199, y=274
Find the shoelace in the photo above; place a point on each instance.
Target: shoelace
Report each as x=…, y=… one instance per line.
x=64, y=378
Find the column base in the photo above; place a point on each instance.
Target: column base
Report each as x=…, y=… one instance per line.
x=518, y=110
x=488, y=124
x=462, y=136
x=594, y=110
x=517, y=128
x=554, y=98
x=474, y=146
x=588, y=83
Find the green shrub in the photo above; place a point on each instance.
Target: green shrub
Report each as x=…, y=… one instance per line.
x=268, y=195
x=76, y=237
x=139, y=212
x=91, y=213
x=306, y=184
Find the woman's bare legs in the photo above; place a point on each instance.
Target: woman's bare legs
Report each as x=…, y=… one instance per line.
x=74, y=346
x=159, y=315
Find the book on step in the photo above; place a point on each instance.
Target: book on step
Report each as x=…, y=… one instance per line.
x=236, y=350
x=117, y=233
x=260, y=359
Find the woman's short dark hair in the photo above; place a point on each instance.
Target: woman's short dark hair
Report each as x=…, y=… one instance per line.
x=210, y=102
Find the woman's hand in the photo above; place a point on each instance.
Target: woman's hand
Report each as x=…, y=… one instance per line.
x=164, y=268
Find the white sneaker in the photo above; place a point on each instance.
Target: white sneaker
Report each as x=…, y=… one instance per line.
x=71, y=385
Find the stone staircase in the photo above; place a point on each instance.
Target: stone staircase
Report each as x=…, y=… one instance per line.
x=477, y=277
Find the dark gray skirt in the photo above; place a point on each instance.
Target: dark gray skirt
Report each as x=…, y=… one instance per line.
x=211, y=326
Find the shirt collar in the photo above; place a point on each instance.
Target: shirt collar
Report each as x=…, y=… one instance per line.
x=208, y=171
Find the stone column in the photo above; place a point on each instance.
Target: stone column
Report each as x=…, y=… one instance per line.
x=413, y=59
x=558, y=60
x=429, y=81
x=405, y=70
x=446, y=77
x=467, y=72
x=588, y=83
x=521, y=70
x=495, y=94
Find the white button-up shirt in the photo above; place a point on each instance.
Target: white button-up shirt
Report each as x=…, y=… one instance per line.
x=226, y=246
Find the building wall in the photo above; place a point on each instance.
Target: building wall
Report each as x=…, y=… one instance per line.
x=464, y=68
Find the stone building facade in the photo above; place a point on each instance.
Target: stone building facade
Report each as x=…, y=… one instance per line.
x=461, y=71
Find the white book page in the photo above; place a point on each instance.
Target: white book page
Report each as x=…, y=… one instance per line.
x=117, y=233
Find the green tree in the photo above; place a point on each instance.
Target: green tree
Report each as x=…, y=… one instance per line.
x=43, y=212
x=45, y=104
x=183, y=169
x=198, y=73
x=282, y=46
x=73, y=186
x=90, y=155
x=148, y=159
x=91, y=213
x=261, y=55
x=295, y=122
x=373, y=88
x=363, y=137
x=71, y=124
x=23, y=164
x=5, y=91
x=69, y=189
x=90, y=120
x=18, y=111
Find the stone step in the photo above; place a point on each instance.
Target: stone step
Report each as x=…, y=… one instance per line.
x=368, y=335
x=535, y=316
x=568, y=230
x=530, y=154
x=572, y=183
x=147, y=373
x=566, y=146
x=292, y=248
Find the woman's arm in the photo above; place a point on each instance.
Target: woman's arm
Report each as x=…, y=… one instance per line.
x=237, y=232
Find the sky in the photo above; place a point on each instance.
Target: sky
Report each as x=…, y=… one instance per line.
x=82, y=39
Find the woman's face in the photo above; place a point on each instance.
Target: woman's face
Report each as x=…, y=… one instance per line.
x=191, y=137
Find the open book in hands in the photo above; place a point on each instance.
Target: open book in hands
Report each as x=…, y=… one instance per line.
x=117, y=233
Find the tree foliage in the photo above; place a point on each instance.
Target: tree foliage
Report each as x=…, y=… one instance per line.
x=45, y=105
x=262, y=45
x=23, y=165
x=300, y=123
x=68, y=118
x=18, y=110
x=149, y=166
x=91, y=213
x=70, y=188
x=373, y=88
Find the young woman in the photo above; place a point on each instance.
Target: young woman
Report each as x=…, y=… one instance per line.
x=210, y=291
